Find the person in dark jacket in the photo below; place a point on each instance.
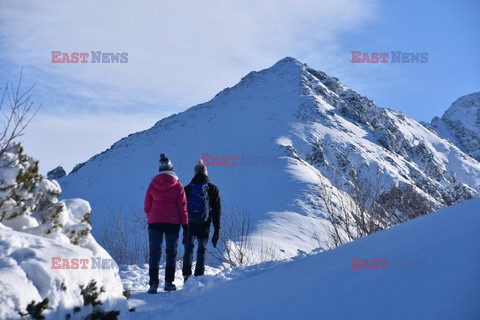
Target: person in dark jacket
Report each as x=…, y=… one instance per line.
x=166, y=210
x=201, y=231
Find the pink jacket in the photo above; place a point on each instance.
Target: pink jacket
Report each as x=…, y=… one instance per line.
x=165, y=200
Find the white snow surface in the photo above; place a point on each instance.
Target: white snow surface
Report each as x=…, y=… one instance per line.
x=432, y=273
x=26, y=274
x=293, y=129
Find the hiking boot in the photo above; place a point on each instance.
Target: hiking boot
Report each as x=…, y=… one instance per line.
x=153, y=289
x=169, y=287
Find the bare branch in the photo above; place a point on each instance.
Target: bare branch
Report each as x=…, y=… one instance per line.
x=19, y=113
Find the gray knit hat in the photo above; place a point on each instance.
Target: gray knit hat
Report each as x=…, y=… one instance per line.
x=200, y=167
x=164, y=163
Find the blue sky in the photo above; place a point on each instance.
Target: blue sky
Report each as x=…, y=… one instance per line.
x=183, y=54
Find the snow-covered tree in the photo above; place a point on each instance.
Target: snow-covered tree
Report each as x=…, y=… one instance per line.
x=29, y=202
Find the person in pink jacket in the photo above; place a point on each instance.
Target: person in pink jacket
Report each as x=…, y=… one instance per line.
x=166, y=210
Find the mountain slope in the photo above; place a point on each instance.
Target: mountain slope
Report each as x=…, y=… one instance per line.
x=295, y=131
x=461, y=124
x=432, y=273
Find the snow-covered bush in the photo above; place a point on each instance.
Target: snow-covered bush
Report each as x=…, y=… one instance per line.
x=365, y=208
x=29, y=203
x=236, y=245
x=40, y=238
x=126, y=239
x=18, y=179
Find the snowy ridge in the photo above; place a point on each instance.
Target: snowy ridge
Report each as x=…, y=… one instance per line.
x=351, y=137
x=431, y=273
x=318, y=131
x=461, y=124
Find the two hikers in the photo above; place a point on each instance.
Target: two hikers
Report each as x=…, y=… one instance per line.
x=167, y=209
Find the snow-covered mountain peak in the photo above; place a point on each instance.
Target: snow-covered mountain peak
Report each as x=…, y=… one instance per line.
x=461, y=124
x=284, y=68
x=465, y=105
x=287, y=64
x=283, y=77
x=295, y=131
x=466, y=110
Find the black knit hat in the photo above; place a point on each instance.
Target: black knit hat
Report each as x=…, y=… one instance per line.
x=164, y=163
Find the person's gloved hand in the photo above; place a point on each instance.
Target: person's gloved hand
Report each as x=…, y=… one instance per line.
x=185, y=233
x=215, y=238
